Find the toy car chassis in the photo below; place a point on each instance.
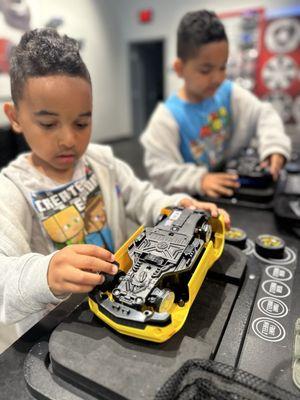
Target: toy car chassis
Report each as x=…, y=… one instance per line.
x=161, y=271
x=251, y=174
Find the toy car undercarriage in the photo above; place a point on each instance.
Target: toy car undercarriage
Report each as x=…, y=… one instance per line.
x=162, y=261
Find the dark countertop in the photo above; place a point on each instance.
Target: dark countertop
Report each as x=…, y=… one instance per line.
x=12, y=381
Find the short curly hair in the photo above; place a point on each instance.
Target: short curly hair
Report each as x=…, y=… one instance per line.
x=196, y=29
x=43, y=52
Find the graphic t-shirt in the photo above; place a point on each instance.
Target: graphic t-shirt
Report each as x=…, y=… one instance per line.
x=74, y=213
x=204, y=127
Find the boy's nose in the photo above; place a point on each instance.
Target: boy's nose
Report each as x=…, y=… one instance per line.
x=218, y=78
x=67, y=138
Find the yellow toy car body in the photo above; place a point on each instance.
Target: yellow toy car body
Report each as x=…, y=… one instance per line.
x=161, y=270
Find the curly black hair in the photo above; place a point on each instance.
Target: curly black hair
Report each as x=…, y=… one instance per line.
x=43, y=52
x=196, y=29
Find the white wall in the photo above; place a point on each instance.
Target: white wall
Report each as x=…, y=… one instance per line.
x=96, y=22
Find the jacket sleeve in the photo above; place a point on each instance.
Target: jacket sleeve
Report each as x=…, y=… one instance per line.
x=23, y=275
x=142, y=201
x=162, y=158
x=252, y=116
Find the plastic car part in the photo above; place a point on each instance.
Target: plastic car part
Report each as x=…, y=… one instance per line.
x=236, y=237
x=251, y=174
x=110, y=281
x=270, y=246
x=164, y=299
x=164, y=267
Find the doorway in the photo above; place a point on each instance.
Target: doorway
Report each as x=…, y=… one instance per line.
x=146, y=80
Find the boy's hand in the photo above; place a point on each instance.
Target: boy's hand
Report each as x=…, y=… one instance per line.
x=203, y=205
x=76, y=268
x=275, y=162
x=216, y=184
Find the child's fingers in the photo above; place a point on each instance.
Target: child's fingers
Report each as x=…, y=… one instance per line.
x=68, y=279
x=226, y=217
x=276, y=163
x=93, y=264
x=226, y=176
x=211, y=207
x=194, y=204
x=265, y=164
x=212, y=193
x=222, y=190
x=93, y=251
x=78, y=276
x=230, y=183
x=275, y=173
x=227, y=181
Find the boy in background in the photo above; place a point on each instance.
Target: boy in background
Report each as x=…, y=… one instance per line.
x=210, y=120
x=64, y=204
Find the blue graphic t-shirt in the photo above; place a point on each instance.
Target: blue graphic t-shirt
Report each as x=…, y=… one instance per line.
x=74, y=213
x=204, y=127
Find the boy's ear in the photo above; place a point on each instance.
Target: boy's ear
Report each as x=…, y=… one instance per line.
x=11, y=113
x=178, y=67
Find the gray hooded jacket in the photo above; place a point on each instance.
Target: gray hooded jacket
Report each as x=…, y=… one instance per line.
x=25, y=250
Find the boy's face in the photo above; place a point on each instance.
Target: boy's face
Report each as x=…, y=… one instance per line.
x=54, y=115
x=204, y=73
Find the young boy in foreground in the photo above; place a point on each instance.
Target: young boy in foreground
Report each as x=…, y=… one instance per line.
x=65, y=191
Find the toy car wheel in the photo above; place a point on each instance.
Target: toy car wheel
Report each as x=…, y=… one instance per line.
x=164, y=300
x=236, y=237
x=204, y=232
x=269, y=246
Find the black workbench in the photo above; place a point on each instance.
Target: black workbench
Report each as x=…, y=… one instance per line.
x=253, y=221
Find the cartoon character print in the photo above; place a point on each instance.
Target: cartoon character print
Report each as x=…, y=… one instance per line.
x=74, y=213
x=65, y=227
x=208, y=148
x=97, y=231
x=95, y=217
x=197, y=148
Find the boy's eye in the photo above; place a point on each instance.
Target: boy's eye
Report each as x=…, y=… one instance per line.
x=81, y=125
x=205, y=71
x=47, y=125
